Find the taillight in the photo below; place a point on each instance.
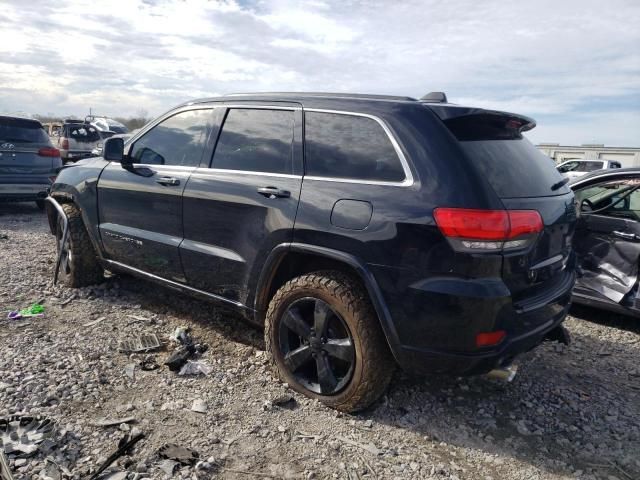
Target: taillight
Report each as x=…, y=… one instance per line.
x=65, y=144
x=488, y=230
x=49, y=152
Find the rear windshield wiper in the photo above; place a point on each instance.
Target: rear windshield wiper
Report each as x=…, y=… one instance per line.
x=560, y=184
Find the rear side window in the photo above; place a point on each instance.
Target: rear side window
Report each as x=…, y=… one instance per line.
x=178, y=140
x=82, y=132
x=350, y=147
x=18, y=131
x=256, y=140
x=510, y=163
x=589, y=166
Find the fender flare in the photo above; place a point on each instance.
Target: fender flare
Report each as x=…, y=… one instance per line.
x=375, y=294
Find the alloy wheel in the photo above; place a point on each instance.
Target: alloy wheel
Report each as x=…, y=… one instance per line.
x=316, y=346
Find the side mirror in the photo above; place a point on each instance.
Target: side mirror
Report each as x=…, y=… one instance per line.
x=113, y=149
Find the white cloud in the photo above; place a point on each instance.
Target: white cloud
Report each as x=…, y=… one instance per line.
x=573, y=65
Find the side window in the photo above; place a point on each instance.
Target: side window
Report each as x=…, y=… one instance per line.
x=349, y=146
x=178, y=140
x=567, y=167
x=256, y=140
x=591, y=166
x=611, y=199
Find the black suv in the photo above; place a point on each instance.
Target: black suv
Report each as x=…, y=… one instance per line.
x=360, y=231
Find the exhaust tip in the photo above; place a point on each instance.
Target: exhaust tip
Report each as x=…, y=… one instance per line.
x=505, y=374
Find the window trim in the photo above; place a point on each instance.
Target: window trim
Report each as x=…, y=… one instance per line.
x=408, y=176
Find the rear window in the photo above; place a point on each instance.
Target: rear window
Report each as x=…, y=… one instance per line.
x=511, y=164
x=18, y=130
x=82, y=132
x=349, y=147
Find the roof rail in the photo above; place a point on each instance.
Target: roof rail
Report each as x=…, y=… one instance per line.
x=435, y=97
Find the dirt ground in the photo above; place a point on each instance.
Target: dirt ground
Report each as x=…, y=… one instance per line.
x=571, y=412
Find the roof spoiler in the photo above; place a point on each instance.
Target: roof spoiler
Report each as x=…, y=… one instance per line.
x=434, y=97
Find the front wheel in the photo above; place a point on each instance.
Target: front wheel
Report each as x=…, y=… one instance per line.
x=325, y=341
x=79, y=266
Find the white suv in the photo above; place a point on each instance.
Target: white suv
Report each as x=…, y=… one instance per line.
x=577, y=168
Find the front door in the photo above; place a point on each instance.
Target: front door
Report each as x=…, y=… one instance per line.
x=238, y=210
x=140, y=208
x=607, y=240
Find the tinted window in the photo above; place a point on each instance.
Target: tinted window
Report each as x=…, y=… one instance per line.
x=588, y=166
x=515, y=168
x=178, y=140
x=256, y=141
x=18, y=130
x=349, y=146
x=568, y=167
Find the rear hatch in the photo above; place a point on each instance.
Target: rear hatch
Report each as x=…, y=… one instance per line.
x=25, y=151
x=82, y=137
x=524, y=179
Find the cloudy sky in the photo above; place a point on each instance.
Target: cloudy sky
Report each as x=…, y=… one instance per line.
x=573, y=65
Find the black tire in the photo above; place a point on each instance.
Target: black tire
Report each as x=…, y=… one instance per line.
x=41, y=204
x=371, y=365
x=79, y=266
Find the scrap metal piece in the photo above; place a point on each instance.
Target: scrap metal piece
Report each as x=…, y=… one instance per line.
x=22, y=435
x=109, y=422
x=142, y=343
x=124, y=446
x=5, y=473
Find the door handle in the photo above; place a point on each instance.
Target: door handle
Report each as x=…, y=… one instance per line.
x=168, y=181
x=626, y=236
x=274, y=192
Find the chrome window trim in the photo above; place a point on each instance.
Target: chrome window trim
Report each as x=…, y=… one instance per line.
x=206, y=170
x=408, y=180
x=260, y=107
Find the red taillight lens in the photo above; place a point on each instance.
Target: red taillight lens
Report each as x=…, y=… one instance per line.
x=65, y=144
x=49, y=152
x=488, y=229
x=490, y=339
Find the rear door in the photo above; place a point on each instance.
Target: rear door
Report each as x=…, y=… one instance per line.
x=607, y=239
x=238, y=209
x=27, y=158
x=141, y=208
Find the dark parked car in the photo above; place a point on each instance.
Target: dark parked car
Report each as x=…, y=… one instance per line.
x=361, y=231
x=28, y=161
x=607, y=240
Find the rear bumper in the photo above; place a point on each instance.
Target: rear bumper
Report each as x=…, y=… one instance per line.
x=75, y=154
x=434, y=322
x=23, y=192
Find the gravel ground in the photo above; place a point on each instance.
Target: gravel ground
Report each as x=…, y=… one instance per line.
x=571, y=412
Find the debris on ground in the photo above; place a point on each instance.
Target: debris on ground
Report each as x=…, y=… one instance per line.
x=199, y=406
x=182, y=455
x=168, y=466
x=185, y=350
x=284, y=401
x=129, y=370
x=125, y=444
x=35, y=310
x=5, y=472
x=109, y=422
x=142, y=343
x=149, y=363
x=21, y=436
x=195, y=368
x=95, y=322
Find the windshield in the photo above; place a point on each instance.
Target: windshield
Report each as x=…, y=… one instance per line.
x=19, y=130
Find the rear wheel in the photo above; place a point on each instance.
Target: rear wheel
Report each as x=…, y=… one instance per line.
x=325, y=341
x=79, y=266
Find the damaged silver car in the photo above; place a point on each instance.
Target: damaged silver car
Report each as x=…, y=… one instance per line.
x=607, y=240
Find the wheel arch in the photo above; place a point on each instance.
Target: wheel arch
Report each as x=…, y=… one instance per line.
x=290, y=260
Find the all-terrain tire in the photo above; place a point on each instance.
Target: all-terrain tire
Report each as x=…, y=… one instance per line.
x=83, y=268
x=374, y=364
